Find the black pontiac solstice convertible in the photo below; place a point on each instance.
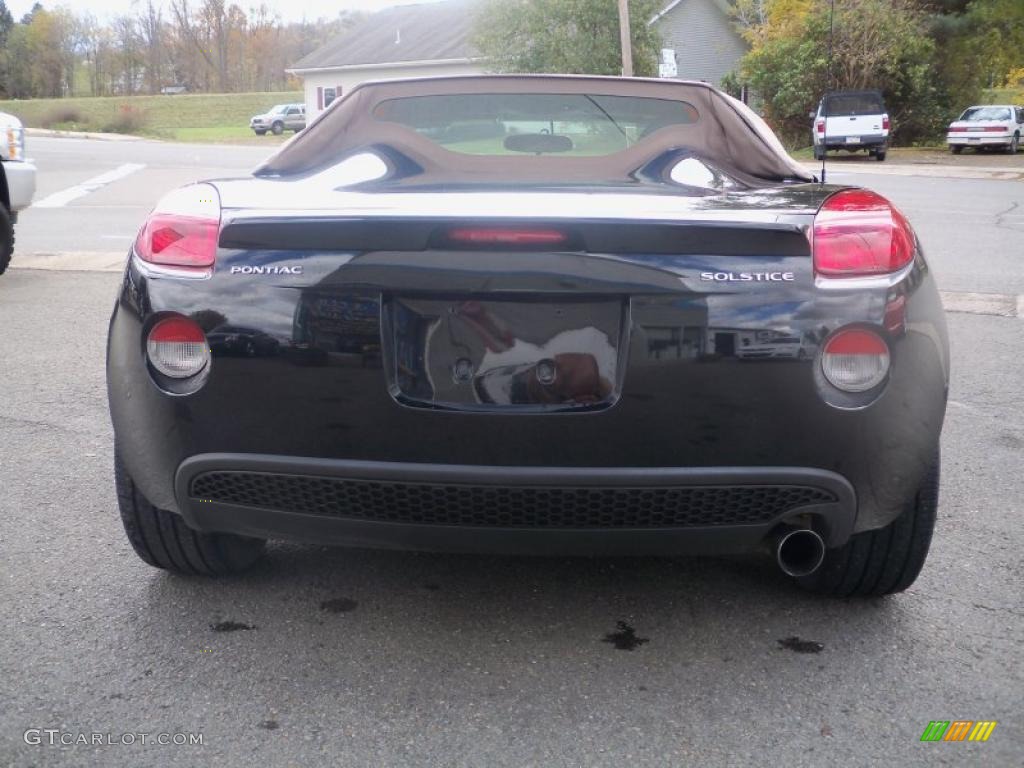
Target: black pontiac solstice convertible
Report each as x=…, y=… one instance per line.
x=533, y=315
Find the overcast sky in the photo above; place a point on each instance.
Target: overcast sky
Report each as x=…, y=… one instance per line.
x=289, y=10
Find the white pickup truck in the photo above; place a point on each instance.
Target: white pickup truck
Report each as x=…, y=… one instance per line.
x=851, y=120
x=17, y=182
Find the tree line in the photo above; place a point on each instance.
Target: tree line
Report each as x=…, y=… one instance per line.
x=203, y=45
x=931, y=58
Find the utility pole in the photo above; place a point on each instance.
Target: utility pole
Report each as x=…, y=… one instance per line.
x=624, y=38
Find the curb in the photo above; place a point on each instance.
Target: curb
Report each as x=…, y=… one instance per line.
x=71, y=261
x=933, y=171
x=47, y=132
x=996, y=304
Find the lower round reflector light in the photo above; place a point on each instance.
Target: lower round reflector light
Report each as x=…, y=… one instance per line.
x=177, y=348
x=855, y=360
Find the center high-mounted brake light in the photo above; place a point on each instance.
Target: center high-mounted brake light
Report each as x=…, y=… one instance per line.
x=506, y=236
x=182, y=230
x=859, y=233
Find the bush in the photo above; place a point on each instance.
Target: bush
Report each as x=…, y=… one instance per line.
x=62, y=115
x=879, y=44
x=129, y=119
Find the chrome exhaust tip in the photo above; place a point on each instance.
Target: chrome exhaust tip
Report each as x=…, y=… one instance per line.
x=799, y=552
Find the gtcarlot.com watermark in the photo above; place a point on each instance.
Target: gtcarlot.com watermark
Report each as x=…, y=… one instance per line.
x=54, y=737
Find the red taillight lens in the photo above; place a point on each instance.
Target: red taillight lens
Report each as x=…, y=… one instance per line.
x=858, y=232
x=177, y=347
x=820, y=126
x=182, y=230
x=178, y=241
x=958, y=129
x=855, y=360
x=885, y=122
x=506, y=236
x=995, y=129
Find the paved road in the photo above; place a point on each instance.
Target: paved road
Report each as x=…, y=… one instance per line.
x=343, y=657
x=107, y=219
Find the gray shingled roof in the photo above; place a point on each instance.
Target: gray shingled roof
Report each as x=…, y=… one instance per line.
x=428, y=32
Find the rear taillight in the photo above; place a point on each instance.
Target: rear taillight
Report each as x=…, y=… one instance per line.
x=820, y=126
x=995, y=129
x=855, y=360
x=177, y=347
x=858, y=232
x=958, y=129
x=182, y=230
x=885, y=122
x=15, y=143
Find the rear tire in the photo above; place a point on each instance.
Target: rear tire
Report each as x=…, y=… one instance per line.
x=162, y=539
x=6, y=238
x=886, y=560
x=819, y=154
x=261, y=133
x=277, y=129
x=956, y=150
x=1014, y=144
x=880, y=156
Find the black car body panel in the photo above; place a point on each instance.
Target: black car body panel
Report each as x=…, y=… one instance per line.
x=681, y=397
x=418, y=382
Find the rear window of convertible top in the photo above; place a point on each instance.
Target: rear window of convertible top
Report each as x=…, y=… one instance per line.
x=535, y=123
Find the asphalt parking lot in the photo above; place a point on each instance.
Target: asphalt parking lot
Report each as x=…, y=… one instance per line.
x=348, y=657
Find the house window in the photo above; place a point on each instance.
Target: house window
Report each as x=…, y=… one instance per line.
x=324, y=96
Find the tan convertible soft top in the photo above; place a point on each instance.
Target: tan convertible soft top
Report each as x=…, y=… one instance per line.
x=728, y=134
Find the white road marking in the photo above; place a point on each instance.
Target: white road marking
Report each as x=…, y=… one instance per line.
x=65, y=196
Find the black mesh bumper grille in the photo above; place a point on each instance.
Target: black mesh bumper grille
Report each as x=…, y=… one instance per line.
x=506, y=506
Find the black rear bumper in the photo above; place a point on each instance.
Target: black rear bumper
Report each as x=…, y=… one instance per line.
x=513, y=510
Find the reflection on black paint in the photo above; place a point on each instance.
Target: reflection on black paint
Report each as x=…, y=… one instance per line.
x=470, y=353
x=333, y=322
x=228, y=339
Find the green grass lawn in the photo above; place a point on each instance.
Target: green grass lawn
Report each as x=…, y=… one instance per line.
x=196, y=117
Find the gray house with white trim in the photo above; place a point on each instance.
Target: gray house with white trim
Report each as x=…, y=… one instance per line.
x=434, y=39
x=706, y=44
